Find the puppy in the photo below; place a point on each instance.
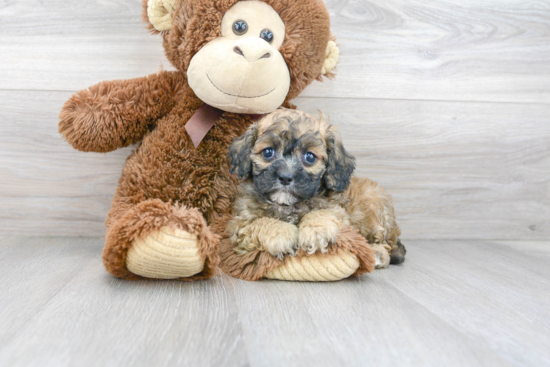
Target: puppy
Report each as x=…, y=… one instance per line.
x=298, y=191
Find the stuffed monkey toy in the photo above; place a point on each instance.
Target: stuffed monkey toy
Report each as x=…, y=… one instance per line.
x=234, y=60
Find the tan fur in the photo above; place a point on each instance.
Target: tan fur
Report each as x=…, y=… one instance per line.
x=327, y=223
x=371, y=211
x=320, y=228
x=266, y=234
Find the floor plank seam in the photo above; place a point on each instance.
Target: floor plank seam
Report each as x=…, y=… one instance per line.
x=229, y=280
x=305, y=96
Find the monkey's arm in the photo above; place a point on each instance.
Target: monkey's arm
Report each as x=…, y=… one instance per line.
x=115, y=114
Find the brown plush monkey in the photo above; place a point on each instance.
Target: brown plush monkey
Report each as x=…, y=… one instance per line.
x=234, y=59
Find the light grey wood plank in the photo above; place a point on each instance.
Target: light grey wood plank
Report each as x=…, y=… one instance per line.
x=33, y=271
x=494, y=293
x=70, y=45
x=456, y=170
x=535, y=248
x=357, y=322
x=485, y=50
x=452, y=303
x=98, y=320
x=47, y=187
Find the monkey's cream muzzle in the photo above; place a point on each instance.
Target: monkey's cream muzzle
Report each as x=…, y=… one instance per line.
x=243, y=76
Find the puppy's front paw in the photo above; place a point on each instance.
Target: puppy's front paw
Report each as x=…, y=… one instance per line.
x=281, y=240
x=313, y=238
x=382, y=255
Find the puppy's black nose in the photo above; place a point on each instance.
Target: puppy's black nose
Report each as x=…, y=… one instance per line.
x=286, y=179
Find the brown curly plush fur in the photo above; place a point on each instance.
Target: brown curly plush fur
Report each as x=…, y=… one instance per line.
x=166, y=181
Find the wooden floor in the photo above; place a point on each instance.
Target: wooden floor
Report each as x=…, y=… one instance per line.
x=445, y=103
x=453, y=303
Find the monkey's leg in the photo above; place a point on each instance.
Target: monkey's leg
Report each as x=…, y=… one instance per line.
x=154, y=239
x=349, y=256
x=371, y=211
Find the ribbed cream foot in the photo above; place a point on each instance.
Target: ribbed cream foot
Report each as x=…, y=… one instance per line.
x=316, y=268
x=165, y=254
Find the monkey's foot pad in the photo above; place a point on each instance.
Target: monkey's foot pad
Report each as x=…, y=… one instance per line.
x=316, y=268
x=165, y=254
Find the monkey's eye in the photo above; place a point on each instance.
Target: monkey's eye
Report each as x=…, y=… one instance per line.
x=240, y=27
x=267, y=35
x=268, y=153
x=310, y=158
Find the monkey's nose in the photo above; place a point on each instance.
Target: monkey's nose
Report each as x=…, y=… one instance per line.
x=286, y=179
x=253, y=49
x=239, y=51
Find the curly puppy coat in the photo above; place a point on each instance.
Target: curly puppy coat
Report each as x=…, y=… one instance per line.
x=299, y=194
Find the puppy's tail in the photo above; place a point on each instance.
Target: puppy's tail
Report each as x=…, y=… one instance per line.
x=398, y=255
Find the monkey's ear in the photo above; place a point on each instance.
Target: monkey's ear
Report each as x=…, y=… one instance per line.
x=340, y=165
x=239, y=153
x=331, y=59
x=159, y=13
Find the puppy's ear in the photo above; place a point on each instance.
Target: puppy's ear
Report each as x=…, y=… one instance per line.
x=340, y=165
x=239, y=153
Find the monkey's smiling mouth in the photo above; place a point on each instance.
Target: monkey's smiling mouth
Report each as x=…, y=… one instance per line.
x=236, y=95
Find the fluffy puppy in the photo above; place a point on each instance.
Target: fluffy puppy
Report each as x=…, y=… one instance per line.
x=298, y=192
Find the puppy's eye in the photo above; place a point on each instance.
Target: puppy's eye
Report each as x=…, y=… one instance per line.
x=240, y=27
x=310, y=158
x=268, y=153
x=267, y=35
